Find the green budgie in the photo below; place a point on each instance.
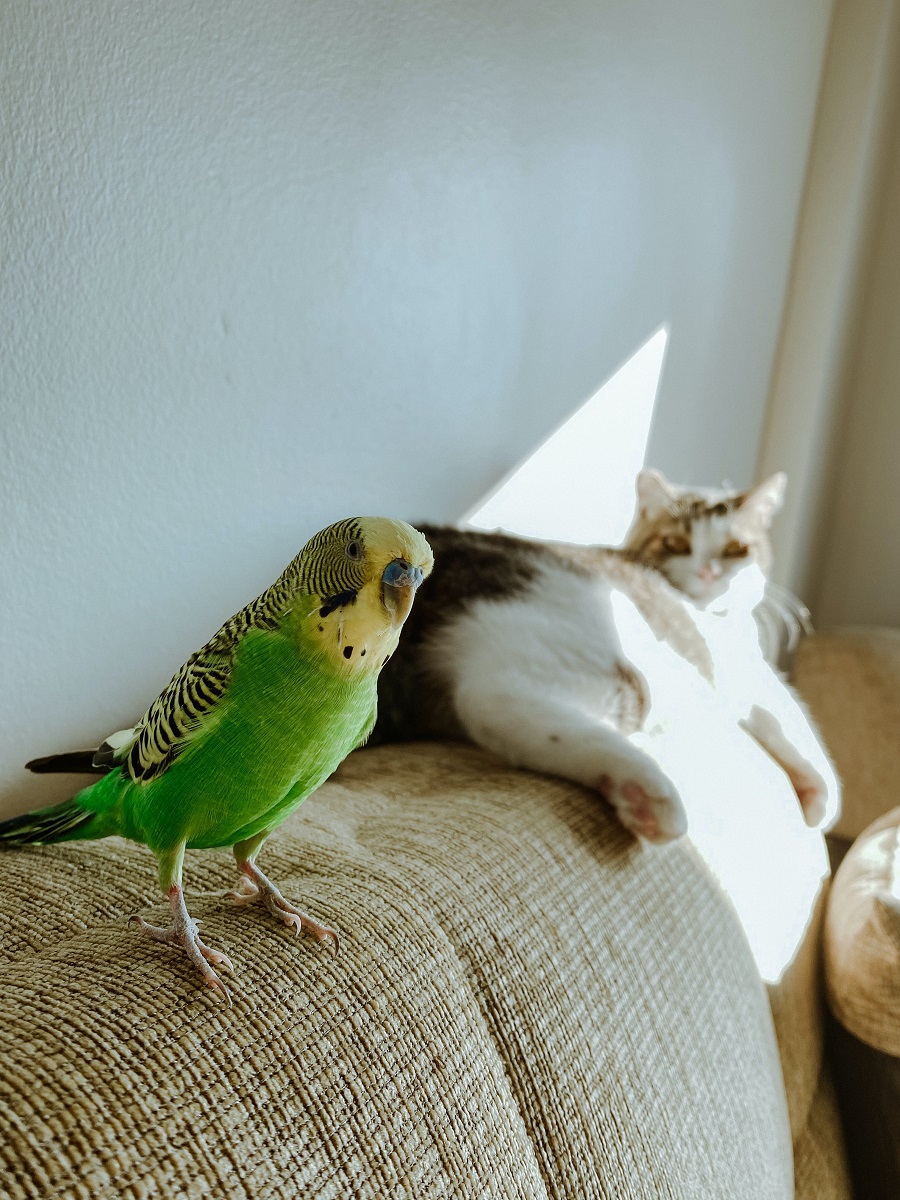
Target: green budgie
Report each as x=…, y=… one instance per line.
x=250, y=725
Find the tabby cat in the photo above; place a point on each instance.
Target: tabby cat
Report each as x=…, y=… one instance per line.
x=560, y=658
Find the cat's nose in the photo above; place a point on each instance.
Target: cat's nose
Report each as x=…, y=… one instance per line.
x=709, y=572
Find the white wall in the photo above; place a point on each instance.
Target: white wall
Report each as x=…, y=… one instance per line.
x=834, y=414
x=845, y=219
x=859, y=580
x=269, y=264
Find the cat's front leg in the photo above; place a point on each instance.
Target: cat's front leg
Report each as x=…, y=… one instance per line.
x=645, y=799
x=550, y=734
x=792, y=742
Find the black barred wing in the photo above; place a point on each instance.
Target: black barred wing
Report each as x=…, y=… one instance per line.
x=184, y=705
x=176, y=714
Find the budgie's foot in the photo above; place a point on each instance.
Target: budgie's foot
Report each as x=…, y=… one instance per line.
x=255, y=888
x=184, y=934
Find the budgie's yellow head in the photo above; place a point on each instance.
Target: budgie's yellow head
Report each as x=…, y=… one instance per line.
x=363, y=573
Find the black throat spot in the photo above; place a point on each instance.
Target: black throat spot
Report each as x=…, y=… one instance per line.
x=340, y=600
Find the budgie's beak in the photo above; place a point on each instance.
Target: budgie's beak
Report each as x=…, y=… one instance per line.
x=399, y=583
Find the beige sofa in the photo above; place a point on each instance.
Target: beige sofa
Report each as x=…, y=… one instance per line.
x=853, y=679
x=527, y=1002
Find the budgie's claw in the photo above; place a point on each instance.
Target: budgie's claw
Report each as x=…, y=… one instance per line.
x=255, y=888
x=298, y=921
x=217, y=985
x=246, y=892
x=184, y=934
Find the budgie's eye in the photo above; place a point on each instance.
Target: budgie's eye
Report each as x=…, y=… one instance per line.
x=735, y=550
x=354, y=550
x=675, y=544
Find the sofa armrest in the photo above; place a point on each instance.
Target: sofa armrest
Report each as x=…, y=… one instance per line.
x=526, y=1003
x=862, y=976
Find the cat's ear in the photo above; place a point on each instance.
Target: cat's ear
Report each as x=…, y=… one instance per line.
x=654, y=492
x=764, y=501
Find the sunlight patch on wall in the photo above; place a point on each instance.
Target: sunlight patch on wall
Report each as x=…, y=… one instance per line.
x=578, y=486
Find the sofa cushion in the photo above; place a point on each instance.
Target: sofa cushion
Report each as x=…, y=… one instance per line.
x=820, y=1162
x=862, y=969
x=527, y=1003
x=746, y=826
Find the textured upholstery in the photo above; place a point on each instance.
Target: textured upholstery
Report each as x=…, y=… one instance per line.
x=820, y=1164
x=526, y=1004
x=850, y=679
x=746, y=826
x=862, y=970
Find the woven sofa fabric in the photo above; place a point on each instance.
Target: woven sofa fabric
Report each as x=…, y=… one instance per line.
x=820, y=1158
x=746, y=827
x=526, y=1004
x=850, y=678
x=796, y=1000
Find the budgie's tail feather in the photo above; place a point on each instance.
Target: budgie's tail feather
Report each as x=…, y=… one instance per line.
x=76, y=762
x=56, y=824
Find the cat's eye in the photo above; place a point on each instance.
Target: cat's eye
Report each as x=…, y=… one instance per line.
x=675, y=544
x=719, y=510
x=735, y=550
x=354, y=550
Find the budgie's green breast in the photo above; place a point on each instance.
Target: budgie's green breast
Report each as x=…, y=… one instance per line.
x=288, y=720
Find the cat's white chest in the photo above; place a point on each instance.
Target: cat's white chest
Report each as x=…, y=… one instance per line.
x=733, y=640
x=559, y=637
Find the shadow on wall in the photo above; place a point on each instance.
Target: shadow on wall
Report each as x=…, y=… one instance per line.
x=578, y=485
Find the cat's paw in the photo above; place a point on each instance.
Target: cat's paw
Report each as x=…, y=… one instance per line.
x=819, y=794
x=650, y=809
